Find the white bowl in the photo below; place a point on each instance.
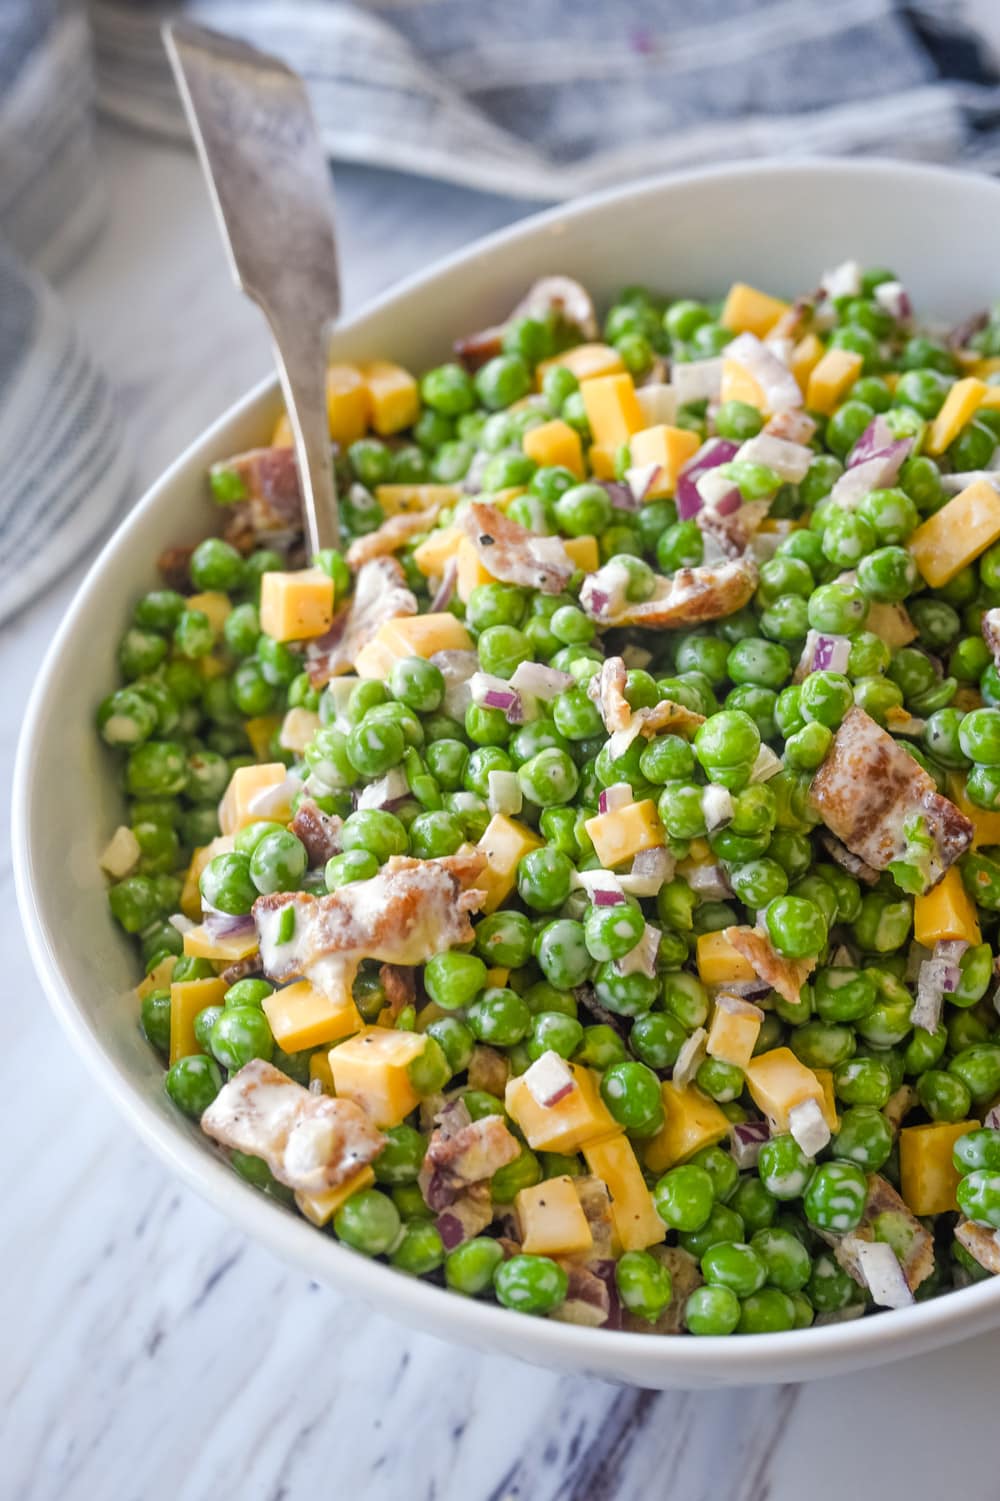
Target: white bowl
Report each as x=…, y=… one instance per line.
x=777, y=226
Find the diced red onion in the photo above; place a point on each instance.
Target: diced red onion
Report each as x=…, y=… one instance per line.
x=549, y=1079
x=642, y=958
x=873, y=474
x=640, y=480
x=504, y=793
x=877, y=442
x=223, y=925
x=620, y=494
x=544, y=682
x=829, y=653
x=950, y=949
x=651, y=869
x=935, y=978
x=710, y=882
x=954, y=484
x=807, y=1125
x=882, y=1273
x=272, y=800
x=387, y=792
x=603, y=896
x=710, y=455
x=180, y=923
x=593, y=881
x=992, y=1118
x=766, y=766
x=610, y=799
x=697, y=380
x=894, y=298
x=790, y=461
x=843, y=281
x=496, y=693
x=749, y=990
x=796, y=427
x=603, y=594
x=446, y=588
x=457, y=669
x=658, y=402
x=778, y=385
x=716, y=806
x=718, y=493
x=745, y=1141
x=729, y=503
x=690, y=1058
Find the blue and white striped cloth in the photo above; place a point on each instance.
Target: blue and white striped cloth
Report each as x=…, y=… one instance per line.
x=538, y=100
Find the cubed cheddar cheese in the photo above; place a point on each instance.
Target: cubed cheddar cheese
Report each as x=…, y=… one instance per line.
x=320, y=1072
x=719, y=963
x=214, y=604
x=956, y=535
x=348, y=404
x=946, y=911
x=191, y=890
x=228, y=949
x=733, y=1033
x=690, y=1121
x=245, y=785
x=613, y=411
x=669, y=448
x=472, y=571
x=282, y=435
x=585, y=361
x=187, y=998
x=830, y=378
x=394, y=395
x=637, y=1224
x=423, y=635
x=319, y=1208
x=927, y=1175
x=298, y=727
x=374, y=661
x=435, y=552
x=432, y=1012
x=303, y=1017
x=991, y=399
x=551, y=1220
x=583, y=552
x=602, y=460
x=260, y=732
x=504, y=842
x=400, y=500
x=296, y=606
x=739, y=385
x=958, y=408
x=372, y=1069
x=805, y=357
x=747, y=311
x=985, y=825
x=159, y=977
x=210, y=667
x=580, y=1117
x=555, y=443
x=777, y=1082
x=828, y=1104
x=497, y=977
x=986, y=366
x=619, y=835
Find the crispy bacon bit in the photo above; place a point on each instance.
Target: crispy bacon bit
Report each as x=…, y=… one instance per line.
x=667, y=717
x=786, y=976
x=243, y=969
x=410, y=911
x=174, y=564
x=853, y=864
x=272, y=506
x=607, y=690
x=891, y=623
x=588, y=1297
x=685, y=1275
x=899, y=1104
x=735, y=532
x=551, y=294
x=488, y=1070
x=872, y=795
x=400, y=987
x=319, y=831
x=465, y=1216
x=513, y=554
x=461, y=1153
x=991, y=633
x=380, y=594
x=963, y=333
x=310, y=1142
x=595, y=1201
x=691, y=596
x=390, y=536
x=886, y=1217
x=794, y=321
x=982, y=1244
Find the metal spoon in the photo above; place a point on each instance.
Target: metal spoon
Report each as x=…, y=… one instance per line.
x=267, y=175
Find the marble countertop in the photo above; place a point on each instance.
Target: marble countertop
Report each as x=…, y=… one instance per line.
x=150, y=1353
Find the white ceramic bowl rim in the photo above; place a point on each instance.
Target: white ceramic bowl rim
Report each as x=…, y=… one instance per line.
x=732, y=1360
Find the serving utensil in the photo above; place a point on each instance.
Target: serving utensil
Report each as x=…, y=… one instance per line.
x=269, y=183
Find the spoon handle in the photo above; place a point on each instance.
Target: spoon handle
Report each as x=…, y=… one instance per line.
x=260, y=150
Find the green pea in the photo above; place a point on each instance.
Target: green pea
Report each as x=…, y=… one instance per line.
x=601, y=1047
x=735, y=1265
x=829, y=1288
x=835, y=1197
x=795, y=926
x=471, y=1266
x=543, y=879
x=241, y=1033
x=368, y=1222
x=226, y=883
x=631, y=1092
x=864, y=1138
x=644, y=1284
x=978, y=1068
x=375, y=830
x=712, y=1310
x=754, y=1204
x=769, y=1311
x=554, y=1032
x=977, y=1149
x=722, y=1224
x=155, y=1019
x=684, y=1197
x=562, y=953
x=248, y=993
x=783, y=1167
x=524, y=1172
x=193, y=1083
x=498, y=1016
x=978, y=1195
x=530, y=1284
x=944, y=1096
x=453, y=979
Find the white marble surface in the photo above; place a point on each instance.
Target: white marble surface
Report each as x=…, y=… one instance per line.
x=148, y=1352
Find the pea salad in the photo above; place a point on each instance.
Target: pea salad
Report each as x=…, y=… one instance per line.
x=581, y=889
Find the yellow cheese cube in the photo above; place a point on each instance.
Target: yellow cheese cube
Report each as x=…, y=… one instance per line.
x=612, y=408
x=282, y=436
x=245, y=784
x=667, y=447
x=435, y=552
x=957, y=534
x=199, y=944
x=348, y=404
x=303, y=1017
x=497, y=978
x=210, y=667
x=927, y=1175
x=400, y=500
x=394, y=395
x=555, y=443
x=372, y=1069
x=828, y=1104
x=986, y=366
x=805, y=357
x=830, y=378
x=719, y=963
x=504, y=841
x=586, y=361
x=320, y=1072
x=580, y=1116
x=691, y=1121
x=583, y=552
x=423, y=635
x=187, y=998
x=432, y=1012
x=472, y=571
x=260, y=733
x=298, y=728
x=374, y=661
x=296, y=606
x=551, y=1219
x=739, y=385
x=986, y=825
x=747, y=311
x=620, y=835
x=158, y=977
x=601, y=457
x=777, y=1082
x=947, y=911
x=991, y=399
x=637, y=1223
x=213, y=604
x=733, y=1033
x=958, y=409
x=319, y=1208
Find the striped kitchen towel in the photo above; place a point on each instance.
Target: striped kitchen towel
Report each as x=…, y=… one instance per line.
x=540, y=100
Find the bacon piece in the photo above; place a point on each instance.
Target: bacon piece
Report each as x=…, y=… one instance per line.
x=174, y=564
x=461, y=1153
x=319, y=831
x=734, y=532
x=869, y=788
x=991, y=633
x=595, y=1201
x=466, y=1216
x=607, y=690
x=513, y=554
x=666, y=717
x=691, y=596
x=551, y=294
x=400, y=986
x=899, y=1104
x=380, y=594
x=685, y=1275
x=488, y=1070
x=410, y=911
x=853, y=864
x=886, y=1217
x=786, y=976
x=272, y=506
x=390, y=536
x=309, y=1141
x=588, y=1297
x=982, y=1244
x=243, y=969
